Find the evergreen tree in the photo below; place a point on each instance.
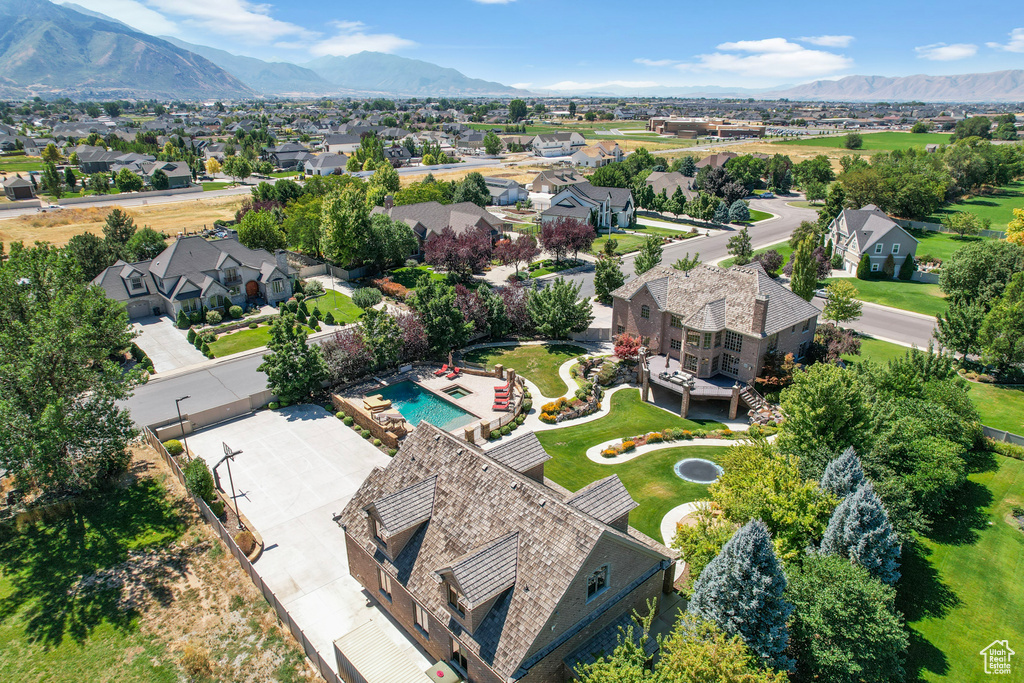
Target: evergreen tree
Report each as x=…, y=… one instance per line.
x=864, y=267
x=907, y=268
x=805, y=271
x=844, y=475
x=741, y=248
x=742, y=591
x=859, y=530
x=556, y=310
x=688, y=166
x=721, y=214
x=889, y=267
x=295, y=370
x=739, y=212
x=649, y=256
x=607, y=278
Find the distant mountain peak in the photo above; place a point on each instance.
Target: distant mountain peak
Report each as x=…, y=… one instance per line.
x=997, y=86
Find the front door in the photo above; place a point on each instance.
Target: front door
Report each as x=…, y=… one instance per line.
x=252, y=289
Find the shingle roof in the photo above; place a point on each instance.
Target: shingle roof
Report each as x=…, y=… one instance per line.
x=434, y=217
x=484, y=572
x=605, y=499
x=659, y=180
x=194, y=255
x=713, y=298
x=408, y=507
x=521, y=453
x=865, y=226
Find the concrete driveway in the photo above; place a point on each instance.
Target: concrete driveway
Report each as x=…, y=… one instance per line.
x=165, y=344
x=299, y=466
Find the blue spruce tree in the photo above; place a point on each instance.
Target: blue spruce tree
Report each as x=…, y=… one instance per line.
x=721, y=213
x=843, y=475
x=742, y=589
x=859, y=530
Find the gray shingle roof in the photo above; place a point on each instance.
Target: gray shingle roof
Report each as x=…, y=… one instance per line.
x=865, y=226
x=605, y=499
x=484, y=572
x=521, y=453
x=404, y=509
x=433, y=217
x=713, y=298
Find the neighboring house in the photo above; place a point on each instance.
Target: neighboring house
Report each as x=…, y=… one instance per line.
x=716, y=160
x=490, y=568
x=95, y=159
x=662, y=181
x=612, y=206
x=214, y=150
x=290, y=155
x=341, y=144
x=870, y=233
x=714, y=321
x=592, y=157
x=505, y=191
x=398, y=155
x=551, y=182
x=557, y=144
x=18, y=188
x=178, y=173
x=193, y=273
x=325, y=164
x=427, y=218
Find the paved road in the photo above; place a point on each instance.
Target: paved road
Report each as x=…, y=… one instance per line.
x=891, y=324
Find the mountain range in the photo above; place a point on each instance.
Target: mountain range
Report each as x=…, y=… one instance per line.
x=998, y=86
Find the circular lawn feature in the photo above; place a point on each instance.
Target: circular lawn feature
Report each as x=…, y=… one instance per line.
x=698, y=470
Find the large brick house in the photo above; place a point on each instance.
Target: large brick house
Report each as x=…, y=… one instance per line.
x=195, y=273
x=869, y=233
x=714, y=320
x=491, y=568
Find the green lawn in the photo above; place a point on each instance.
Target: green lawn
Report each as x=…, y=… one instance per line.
x=962, y=589
x=286, y=174
x=242, y=340
x=782, y=247
x=538, y=363
x=407, y=277
x=801, y=204
x=940, y=245
x=216, y=185
x=648, y=478
x=997, y=207
x=549, y=266
x=878, y=351
x=20, y=164
x=49, y=629
x=874, y=142
x=756, y=216
x=338, y=304
x=919, y=297
x=626, y=243
x=682, y=233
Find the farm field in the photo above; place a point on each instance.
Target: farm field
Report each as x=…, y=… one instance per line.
x=876, y=142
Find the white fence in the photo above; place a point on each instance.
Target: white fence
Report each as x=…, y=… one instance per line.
x=68, y=201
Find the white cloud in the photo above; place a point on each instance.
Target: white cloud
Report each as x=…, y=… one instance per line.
x=1016, y=43
x=239, y=19
x=655, y=62
x=352, y=38
x=522, y=86
x=577, y=85
x=828, y=41
x=133, y=13
x=771, y=58
x=940, y=52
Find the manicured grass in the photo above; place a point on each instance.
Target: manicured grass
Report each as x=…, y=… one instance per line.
x=626, y=243
x=801, y=204
x=961, y=589
x=20, y=164
x=783, y=248
x=548, y=266
x=878, y=351
x=919, y=297
x=756, y=216
x=538, y=363
x=874, y=142
x=940, y=245
x=242, y=340
x=52, y=630
x=216, y=185
x=681, y=234
x=286, y=174
x=997, y=207
x=407, y=277
x=339, y=305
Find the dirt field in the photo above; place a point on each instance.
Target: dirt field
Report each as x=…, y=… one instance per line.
x=57, y=227
x=521, y=174
x=797, y=153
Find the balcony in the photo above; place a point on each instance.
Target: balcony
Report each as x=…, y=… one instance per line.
x=236, y=280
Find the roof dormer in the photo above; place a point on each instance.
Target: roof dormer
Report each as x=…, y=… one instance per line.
x=474, y=581
x=606, y=500
x=394, y=518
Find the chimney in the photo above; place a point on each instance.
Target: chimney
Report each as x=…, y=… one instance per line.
x=760, y=313
x=281, y=256
x=389, y=202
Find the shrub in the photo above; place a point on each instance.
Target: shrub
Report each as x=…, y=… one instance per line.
x=246, y=541
x=493, y=436
x=191, y=336
x=300, y=315
x=196, y=662
x=182, y=321
x=329, y=318
x=549, y=408
x=548, y=418
x=1005, y=448
x=314, y=321
x=317, y=313
x=686, y=435
x=366, y=297
x=390, y=288
x=609, y=453
x=607, y=373
x=293, y=306
x=313, y=288
x=655, y=437
x=348, y=419
x=299, y=296
x=506, y=430
x=253, y=326
x=198, y=479
x=217, y=508
x=340, y=415
x=628, y=446
x=376, y=442
x=235, y=311
x=174, y=447
x=273, y=405
x=285, y=404
x=520, y=419
x=411, y=263
x=365, y=433
x=213, y=318
x=392, y=452
x=527, y=405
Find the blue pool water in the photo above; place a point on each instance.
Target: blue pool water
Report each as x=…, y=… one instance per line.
x=416, y=403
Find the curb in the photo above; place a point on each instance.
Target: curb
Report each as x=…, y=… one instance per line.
x=899, y=311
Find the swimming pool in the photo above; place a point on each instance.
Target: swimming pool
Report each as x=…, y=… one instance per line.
x=416, y=403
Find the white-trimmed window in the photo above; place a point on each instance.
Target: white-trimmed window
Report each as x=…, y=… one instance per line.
x=597, y=582
x=384, y=583
x=874, y=267
x=277, y=286
x=878, y=248
x=136, y=283
x=421, y=620
x=378, y=532
x=896, y=248
x=190, y=305
x=690, y=362
x=619, y=329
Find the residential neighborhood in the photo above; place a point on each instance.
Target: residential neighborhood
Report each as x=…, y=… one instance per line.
x=338, y=351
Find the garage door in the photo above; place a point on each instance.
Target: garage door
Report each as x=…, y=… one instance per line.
x=138, y=309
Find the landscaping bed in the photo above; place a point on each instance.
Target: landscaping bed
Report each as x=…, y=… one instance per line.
x=548, y=266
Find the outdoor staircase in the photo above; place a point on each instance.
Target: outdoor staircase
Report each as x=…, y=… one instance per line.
x=753, y=399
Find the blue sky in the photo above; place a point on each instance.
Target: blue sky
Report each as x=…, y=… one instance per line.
x=557, y=44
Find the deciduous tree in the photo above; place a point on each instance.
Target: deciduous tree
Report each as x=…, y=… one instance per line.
x=444, y=323
x=295, y=370
x=649, y=256
x=1002, y=333
x=511, y=252
x=460, y=255
x=607, y=278
x=345, y=225
x=90, y=253
x=841, y=305
x=127, y=181
x=825, y=405
x=740, y=247
x=805, y=271
x=259, y=230
x=556, y=310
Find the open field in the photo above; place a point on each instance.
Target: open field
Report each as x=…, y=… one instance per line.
x=19, y=164
x=57, y=227
x=876, y=142
x=918, y=297
x=997, y=207
x=520, y=174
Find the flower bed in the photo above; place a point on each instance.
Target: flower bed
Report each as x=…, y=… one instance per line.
x=586, y=401
x=389, y=287
x=630, y=443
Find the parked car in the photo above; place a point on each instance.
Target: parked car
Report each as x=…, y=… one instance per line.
x=767, y=195
x=821, y=293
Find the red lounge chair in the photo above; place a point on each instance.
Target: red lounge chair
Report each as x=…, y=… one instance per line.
x=503, y=387
x=454, y=373
x=501, y=395
x=443, y=370
x=500, y=406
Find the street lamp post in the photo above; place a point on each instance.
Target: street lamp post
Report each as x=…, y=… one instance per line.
x=181, y=424
x=229, y=455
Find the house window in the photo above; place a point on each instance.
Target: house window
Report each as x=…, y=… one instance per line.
x=714, y=364
x=733, y=341
x=645, y=312
x=807, y=325
x=773, y=343
x=216, y=301
x=619, y=329
x=793, y=330
x=730, y=363
x=231, y=275
x=190, y=305
x=878, y=248
x=676, y=322
x=459, y=658
x=802, y=350
x=874, y=267
x=693, y=338
x=707, y=340
x=384, y=583
x=378, y=532
x=597, y=582
x=718, y=339
x=234, y=291
x=455, y=601
x=896, y=248
x=690, y=362
x=420, y=619
x=675, y=344
x=277, y=286
x=136, y=283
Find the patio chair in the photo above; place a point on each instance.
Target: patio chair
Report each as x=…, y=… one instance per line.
x=454, y=373
x=442, y=371
x=501, y=395
x=500, y=406
x=503, y=387
x=376, y=404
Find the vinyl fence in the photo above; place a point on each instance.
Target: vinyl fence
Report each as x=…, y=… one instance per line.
x=314, y=656
x=1000, y=435
x=939, y=227
x=90, y=199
